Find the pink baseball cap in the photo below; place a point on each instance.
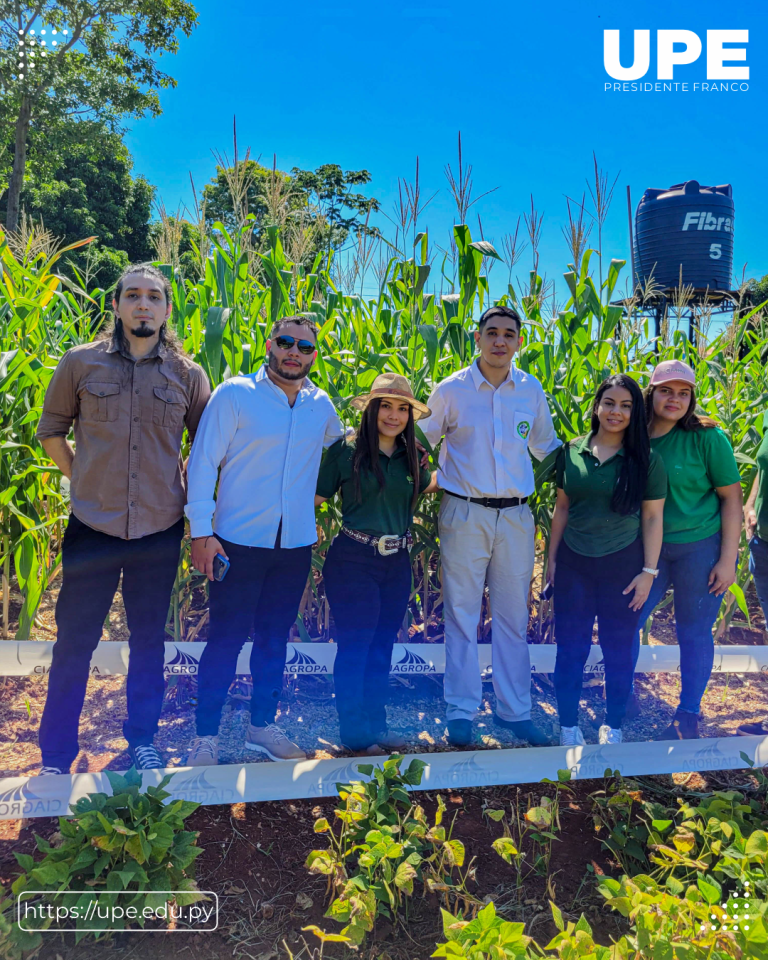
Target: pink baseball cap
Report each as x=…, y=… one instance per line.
x=673, y=370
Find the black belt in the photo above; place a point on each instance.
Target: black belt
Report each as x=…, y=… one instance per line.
x=386, y=544
x=497, y=503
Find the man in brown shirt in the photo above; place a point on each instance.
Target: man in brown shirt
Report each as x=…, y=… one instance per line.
x=129, y=396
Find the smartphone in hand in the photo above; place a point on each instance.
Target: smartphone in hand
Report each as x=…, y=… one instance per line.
x=547, y=592
x=220, y=567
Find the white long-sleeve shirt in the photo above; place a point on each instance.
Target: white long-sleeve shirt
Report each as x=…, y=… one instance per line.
x=488, y=432
x=269, y=454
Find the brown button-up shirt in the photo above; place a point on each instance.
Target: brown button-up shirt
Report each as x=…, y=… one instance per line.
x=129, y=417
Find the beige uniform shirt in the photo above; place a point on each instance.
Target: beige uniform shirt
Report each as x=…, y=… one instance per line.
x=129, y=417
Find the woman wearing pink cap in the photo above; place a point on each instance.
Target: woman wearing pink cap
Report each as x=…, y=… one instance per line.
x=702, y=529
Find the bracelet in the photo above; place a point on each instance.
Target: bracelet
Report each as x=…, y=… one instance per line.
x=194, y=539
x=653, y=573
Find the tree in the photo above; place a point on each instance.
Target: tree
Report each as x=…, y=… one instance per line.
x=85, y=59
x=329, y=187
x=79, y=184
x=318, y=203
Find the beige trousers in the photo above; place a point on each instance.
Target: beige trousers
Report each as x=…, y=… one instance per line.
x=479, y=544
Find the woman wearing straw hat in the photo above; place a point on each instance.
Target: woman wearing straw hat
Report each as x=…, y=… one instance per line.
x=367, y=572
x=702, y=529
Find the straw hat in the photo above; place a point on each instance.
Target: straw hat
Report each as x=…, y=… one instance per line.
x=393, y=387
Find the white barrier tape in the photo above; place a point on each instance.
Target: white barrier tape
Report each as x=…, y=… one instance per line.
x=253, y=782
x=27, y=657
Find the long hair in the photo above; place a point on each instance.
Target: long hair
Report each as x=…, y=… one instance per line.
x=690, y=419
x=366, y=456
x=630, y=486
x=167, y=335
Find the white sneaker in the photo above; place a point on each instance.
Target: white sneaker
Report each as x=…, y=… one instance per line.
x=609, y=735
x=571, y=737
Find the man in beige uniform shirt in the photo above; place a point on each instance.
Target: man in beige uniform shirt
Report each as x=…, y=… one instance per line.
x=493, y=417
x=129, y=396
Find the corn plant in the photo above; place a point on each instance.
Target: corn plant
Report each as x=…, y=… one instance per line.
x=224, y=314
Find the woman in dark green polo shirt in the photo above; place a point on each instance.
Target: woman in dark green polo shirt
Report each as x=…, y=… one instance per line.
x=702, y=529
x=367, y=572
x=610, y=490
x=756, y=529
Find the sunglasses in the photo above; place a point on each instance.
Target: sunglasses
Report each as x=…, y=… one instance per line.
x=305, y=346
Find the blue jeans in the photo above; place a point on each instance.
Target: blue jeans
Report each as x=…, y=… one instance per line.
x=686, y=568
x=758, y=567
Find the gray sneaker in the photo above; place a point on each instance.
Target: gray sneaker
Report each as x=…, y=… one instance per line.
x=203, y=752
x=272, y=741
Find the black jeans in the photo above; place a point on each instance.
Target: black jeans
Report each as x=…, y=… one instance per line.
x=92, y=562
x=585, y=588
x=264, y=585
x=368, y=594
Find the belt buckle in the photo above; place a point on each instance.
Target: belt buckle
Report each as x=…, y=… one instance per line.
x=385, y=550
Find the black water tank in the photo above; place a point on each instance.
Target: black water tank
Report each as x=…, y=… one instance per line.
x=686, y=226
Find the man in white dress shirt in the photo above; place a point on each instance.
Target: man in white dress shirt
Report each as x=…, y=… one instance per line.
x=491, y=415
x=262, y=436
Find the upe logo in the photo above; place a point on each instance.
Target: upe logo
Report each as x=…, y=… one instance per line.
x=24, y=802
x=412, y=663
x=677, y=48
x=523, y=428
x=303, y=663
x=183, y=663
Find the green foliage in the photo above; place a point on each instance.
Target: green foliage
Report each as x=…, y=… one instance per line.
x=105, y=68
x=529, y=832
x=315, y=209
x=383, y=844
x=485, y=936
x=15, y=943
x=79, y=183
x=132, y=841
x=688, y=927
x=224, y=312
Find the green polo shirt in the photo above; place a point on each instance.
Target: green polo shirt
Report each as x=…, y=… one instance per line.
x=697, y=461
x=761, y=503
x=594, y=529
x=380, y=510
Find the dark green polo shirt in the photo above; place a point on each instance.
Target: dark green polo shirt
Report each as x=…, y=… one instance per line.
x=594, y=529
x=697, y=461
x=381, y=510
x=761, y=503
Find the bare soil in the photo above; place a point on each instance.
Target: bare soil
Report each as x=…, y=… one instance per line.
x=254, y=854
x=254, y=859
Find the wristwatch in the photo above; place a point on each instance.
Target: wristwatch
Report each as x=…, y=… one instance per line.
x=653, y=573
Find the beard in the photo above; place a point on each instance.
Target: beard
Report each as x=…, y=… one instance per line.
x=288, y=374
x=143, y=330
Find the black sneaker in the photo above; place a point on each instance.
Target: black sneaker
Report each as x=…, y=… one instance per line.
x=146, y=757
x=525, y=730
x=633, y=709
x=684, y=726
x=752, y=730
x=459, y=732
x=50, y=771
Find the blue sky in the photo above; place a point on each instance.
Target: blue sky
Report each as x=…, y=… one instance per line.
x=374, y=85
